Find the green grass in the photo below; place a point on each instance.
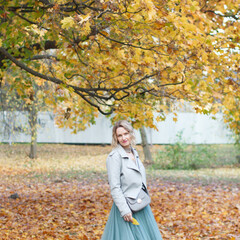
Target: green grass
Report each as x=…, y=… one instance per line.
x=203, y=176
x=58, y=162
x=226, y=154
x=183, y=156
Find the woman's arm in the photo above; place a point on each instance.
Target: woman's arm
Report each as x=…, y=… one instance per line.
x=114, y=171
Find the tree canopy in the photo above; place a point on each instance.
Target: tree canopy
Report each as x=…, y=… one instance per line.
x=126, y=56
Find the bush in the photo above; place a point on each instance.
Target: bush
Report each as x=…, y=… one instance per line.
x=183, y=156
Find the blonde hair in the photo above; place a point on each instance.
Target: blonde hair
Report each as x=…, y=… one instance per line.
x=127, y=126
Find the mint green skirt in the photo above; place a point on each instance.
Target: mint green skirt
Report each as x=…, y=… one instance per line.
x=118, y=229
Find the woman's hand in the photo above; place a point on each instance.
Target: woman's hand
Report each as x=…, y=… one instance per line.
x=128, y=217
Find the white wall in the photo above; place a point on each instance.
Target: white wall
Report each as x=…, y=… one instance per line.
x=195, y=128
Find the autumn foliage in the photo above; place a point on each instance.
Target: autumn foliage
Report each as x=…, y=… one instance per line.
x=79, y=210
x=126, y=57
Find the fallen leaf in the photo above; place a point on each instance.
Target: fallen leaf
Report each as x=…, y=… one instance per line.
x=135, y=222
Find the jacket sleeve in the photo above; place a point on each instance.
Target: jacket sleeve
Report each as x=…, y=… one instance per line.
x=114, y=171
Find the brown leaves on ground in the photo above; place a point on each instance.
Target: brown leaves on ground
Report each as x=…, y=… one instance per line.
x=63, y=210
x=57, y=201
x=185, y=211
x=79, y=210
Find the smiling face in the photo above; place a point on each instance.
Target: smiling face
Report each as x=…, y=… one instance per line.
x=123, y=137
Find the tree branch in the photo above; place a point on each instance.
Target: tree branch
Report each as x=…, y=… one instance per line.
x=22, y=17
x=123, y=43
x=46, y=56
x=90, y=91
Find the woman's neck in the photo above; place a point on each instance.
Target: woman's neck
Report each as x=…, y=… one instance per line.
x=128, y=149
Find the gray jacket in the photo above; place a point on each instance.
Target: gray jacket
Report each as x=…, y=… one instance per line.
x=125, y=177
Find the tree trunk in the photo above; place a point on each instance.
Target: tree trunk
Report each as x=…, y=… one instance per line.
x=33, y=129
x=238, y=158
x=146, y=150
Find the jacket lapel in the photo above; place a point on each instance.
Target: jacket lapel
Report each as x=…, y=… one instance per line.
x=130, y=163
x=139, y=163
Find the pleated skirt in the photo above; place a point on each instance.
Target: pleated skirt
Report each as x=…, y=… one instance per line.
x=118, y=229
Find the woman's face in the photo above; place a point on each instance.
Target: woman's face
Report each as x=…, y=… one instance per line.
x=123, y=137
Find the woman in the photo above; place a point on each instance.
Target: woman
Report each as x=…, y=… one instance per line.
x=126, y=176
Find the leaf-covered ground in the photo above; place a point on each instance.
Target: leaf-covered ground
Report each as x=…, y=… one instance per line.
x=56, y=200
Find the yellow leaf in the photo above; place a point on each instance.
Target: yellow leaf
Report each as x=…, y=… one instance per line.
x=151, y=9
x=67, y=22
x=48, y=101
x=87, y=28
x=134, y=222
x=0, y=42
